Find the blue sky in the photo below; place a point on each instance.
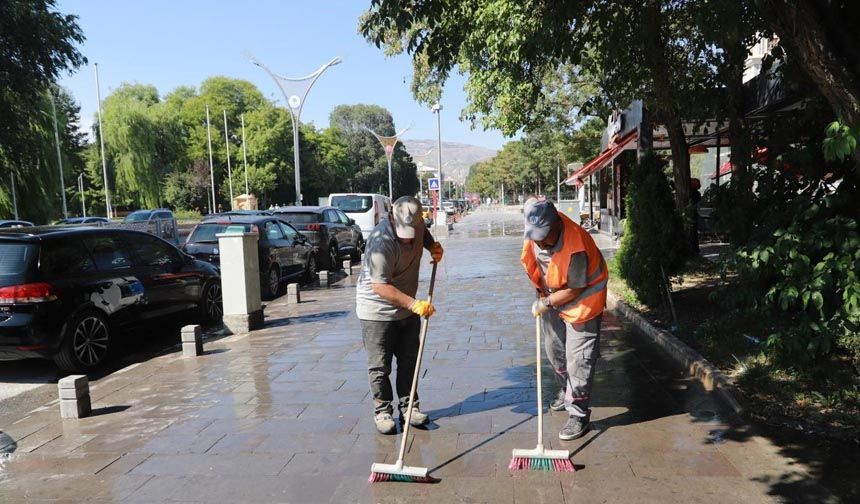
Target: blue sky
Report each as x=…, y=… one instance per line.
x=182, y=42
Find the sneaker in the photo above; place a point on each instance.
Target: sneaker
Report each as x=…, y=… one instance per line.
x=384, y=423
x=557, y=404
x=575, y=428
x=418, y=418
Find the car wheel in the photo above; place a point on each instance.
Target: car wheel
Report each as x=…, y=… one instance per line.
x=311, y=268
x=332, y=257
x=211, y=305
x=272, y=283
x=86, y=342
x=359, y=249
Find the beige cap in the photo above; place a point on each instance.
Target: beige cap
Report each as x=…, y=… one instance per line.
x=408, y=219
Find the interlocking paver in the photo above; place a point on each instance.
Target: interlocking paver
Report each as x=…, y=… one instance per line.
x=283, y=414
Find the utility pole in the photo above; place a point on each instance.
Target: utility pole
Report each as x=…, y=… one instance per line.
x=108, y=208
x=81, y=190
x=59, y=156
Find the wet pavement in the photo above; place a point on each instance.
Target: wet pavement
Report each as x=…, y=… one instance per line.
x=284, y=415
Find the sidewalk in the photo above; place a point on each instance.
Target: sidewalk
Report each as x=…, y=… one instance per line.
x=283, y=414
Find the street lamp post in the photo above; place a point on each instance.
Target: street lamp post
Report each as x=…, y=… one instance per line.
x=212, y=207
x=388, y=143
x=437, y=109
x=81, y=190
x=245, y=159
x=59, y=156
x=229, y=170
x=108, y=209
x=295, y=90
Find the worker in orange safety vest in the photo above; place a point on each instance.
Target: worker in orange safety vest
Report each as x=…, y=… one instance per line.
x=570, y=276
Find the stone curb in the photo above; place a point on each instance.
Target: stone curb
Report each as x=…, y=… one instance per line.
x=696, y=365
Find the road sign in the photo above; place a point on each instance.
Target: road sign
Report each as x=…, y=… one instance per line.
x=433, y=184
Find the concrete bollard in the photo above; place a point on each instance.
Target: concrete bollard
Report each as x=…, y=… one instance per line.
x=75, y=396
x=293, y=293
x=240, y=281
x=192, y=341
x=347, y=267
x=325, y=279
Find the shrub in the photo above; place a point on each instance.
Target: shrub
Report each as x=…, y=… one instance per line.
x=653, y=234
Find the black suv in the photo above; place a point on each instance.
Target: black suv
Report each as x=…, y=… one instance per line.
x=285, y=254
x=65, y=291
x=328, y=228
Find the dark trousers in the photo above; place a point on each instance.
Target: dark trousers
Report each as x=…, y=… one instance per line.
x=382, y=341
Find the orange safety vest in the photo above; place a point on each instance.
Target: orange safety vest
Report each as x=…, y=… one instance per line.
x=591, y=301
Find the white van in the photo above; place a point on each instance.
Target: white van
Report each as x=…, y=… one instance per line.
x=367, y=209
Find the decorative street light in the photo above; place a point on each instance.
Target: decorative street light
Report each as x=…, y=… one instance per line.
x=229, y=170
x=388, y=143
x=245, y=159
x=81, y=190
x=212, y=205
x=295, y=91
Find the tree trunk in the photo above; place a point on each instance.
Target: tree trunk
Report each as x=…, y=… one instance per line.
x=806, y=33
x=681, y=177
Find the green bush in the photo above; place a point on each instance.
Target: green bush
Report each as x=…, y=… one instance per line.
x=800, y=272
x=653, y=234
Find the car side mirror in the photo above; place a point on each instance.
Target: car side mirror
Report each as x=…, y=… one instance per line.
x=351, y=222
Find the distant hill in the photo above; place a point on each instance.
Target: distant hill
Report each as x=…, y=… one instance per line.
x=458, y=156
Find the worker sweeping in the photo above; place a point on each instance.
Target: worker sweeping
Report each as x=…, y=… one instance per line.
x=570, y=276
x=389, y=313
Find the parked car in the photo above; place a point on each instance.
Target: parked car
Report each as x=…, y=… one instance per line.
x=15, y=223
x=65, y=292
x=334, y=233
x=448, y=207
x=284, y=254
x=367, y=209
x=161, y=222
x=237, y=213
x=84, y=220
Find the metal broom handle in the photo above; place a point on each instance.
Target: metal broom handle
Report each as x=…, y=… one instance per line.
x=424, y=324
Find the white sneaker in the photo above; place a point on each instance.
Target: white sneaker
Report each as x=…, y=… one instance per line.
x=418, y=418
x=384, y=423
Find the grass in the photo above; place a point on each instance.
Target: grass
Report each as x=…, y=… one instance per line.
x=825, y=396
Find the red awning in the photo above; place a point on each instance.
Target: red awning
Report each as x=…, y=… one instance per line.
x=725, y=169
x=603, y=159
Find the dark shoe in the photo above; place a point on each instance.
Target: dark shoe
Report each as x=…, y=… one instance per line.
x=384, y=423
x=557, y=404
x=418, y=418
x=575, y=428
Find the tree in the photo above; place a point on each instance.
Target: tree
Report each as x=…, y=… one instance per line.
x=37, y=44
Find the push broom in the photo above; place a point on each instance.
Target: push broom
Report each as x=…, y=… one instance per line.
x=398, y=471
x=540, y=459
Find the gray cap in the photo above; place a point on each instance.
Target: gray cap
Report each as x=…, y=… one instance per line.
x=407, y=217
x=539, y=218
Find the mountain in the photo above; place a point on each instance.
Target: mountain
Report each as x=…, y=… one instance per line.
x=458, y=156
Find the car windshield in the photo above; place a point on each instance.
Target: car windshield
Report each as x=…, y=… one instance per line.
x=352, y=203
x=300, y=217
x=138, y=216
x=205, y=233
x=15, y=259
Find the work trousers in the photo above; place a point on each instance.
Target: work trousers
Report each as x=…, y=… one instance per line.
x=384, y=340
x=573, y=350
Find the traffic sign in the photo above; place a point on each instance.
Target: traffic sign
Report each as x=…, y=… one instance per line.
x=433, y=184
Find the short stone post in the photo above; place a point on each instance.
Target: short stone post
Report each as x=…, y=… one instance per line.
x=347, y=267
x=192, y=341
x=75, y=396
x=325, y=279
x=293, y=294
x=240, y=281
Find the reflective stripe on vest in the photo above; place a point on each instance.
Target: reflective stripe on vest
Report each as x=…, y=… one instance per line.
x=591, y=301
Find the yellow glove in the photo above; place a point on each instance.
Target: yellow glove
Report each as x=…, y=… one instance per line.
x=422, y=308
x=436, y=251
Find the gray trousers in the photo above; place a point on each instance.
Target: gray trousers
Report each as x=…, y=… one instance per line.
x=573, y=350
x=382, y=341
